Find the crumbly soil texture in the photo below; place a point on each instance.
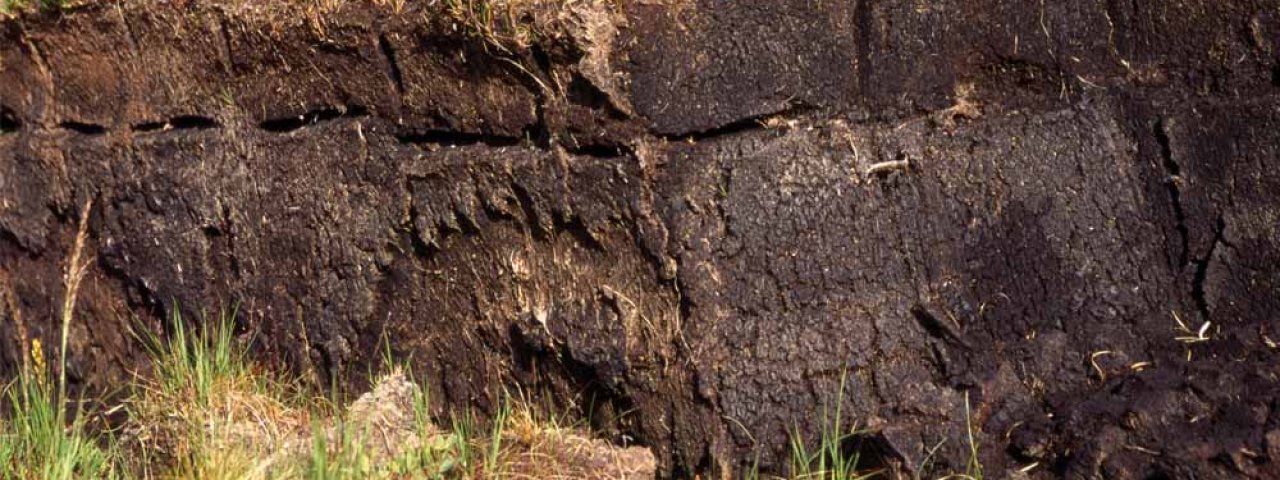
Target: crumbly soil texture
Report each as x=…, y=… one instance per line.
x=1054, y=224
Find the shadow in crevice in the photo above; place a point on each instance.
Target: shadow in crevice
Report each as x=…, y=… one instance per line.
x=873, y=452
x=9, y=122
x=83, y=128
x=599, y=151
x=1172, y=181
x=582, y=92
x=393, y=65
x=592, y=394
x=458, y=139
x=757, y=122
x=183, y=122
x=289, y=124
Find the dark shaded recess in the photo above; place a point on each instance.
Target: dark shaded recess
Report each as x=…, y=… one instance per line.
x=526, y=202
x=193, y=121
x=1023, y=74
x=330, y=47
x=420, y=248
x=864, y=28
x=873, y=451
x=289, y=124
x=541, y=57
x=1175, y=194
x=1202, y=270
x=138, y=296
x=149, y=126
x=600, y=402
x=393, y=65
x=83, y=128
x=574, y=226
x=747, y=124
x=9, y=122
x=598, y=151
x=936, y=327
x=458, y=139
x=224, y=28
x=178, y=123
x=582, y=92
x=184, y=122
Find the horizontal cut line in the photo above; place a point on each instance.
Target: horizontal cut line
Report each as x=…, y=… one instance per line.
x=83, y=128
x=183, y=122
x=459, y=139
x=289, y=124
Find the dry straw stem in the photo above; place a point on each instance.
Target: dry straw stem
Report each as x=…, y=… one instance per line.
x=497, y=22
x=1093, y=361
x=9, y=306
x=1189, y=337
x=888, y=166
x=74, y=275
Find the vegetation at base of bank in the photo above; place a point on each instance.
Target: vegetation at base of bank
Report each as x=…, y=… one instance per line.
x=205, y=410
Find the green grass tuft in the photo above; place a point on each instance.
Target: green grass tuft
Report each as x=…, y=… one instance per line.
x=831, y=459
x=196, y=362
x=39, y=439
x=340, y=458
x=206, y=411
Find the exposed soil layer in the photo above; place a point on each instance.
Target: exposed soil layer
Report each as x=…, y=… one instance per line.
x=694, y=217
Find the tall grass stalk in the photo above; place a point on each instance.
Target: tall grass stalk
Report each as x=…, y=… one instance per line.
x=195, y=363
x=492, y=464
x=71, y=280
x=38, y=439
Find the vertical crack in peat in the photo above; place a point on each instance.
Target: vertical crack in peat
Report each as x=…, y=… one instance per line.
x=449, y=138
x=862, y=27
x=393, y=66
x=225, y=30
x=742, y=125
x=1202, y=270
x=1173, y=182
x=128, y=29
x=42, y=65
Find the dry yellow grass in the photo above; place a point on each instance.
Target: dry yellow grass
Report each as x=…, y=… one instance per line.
x=207, y=412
